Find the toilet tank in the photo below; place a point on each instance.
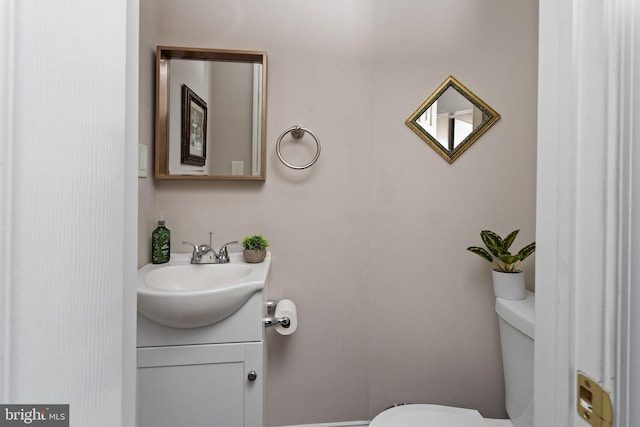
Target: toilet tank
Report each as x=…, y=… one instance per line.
x=516, y=321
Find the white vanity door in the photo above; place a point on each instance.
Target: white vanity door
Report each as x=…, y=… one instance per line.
x=200, y=386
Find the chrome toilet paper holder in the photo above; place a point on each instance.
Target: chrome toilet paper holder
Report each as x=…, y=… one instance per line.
x=284, y=321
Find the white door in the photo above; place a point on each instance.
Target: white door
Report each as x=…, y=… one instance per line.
x=68, y=206
x=586, y=232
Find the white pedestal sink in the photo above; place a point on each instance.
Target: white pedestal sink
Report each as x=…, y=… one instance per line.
x=183, y=295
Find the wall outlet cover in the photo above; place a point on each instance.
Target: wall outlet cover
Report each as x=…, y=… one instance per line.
x=237, y=167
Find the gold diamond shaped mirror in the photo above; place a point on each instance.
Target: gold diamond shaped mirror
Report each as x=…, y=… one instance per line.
x=452, y=119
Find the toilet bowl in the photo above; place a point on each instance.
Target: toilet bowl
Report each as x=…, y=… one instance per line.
x=434, y=415
x=516, y=338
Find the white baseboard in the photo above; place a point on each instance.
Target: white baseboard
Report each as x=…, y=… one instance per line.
x=344, y=424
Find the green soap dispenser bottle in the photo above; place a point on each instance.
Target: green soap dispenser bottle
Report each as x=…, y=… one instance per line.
x=160, y=243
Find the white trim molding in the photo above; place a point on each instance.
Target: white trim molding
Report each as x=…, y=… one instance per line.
x=628, y=339
x=342, y=424
x=7, y=47
x=552, y=388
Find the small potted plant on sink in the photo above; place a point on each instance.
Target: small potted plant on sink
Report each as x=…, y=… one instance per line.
x=508, y=280
x=255, y=248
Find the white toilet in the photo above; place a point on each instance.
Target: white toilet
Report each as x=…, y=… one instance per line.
x=516, y=337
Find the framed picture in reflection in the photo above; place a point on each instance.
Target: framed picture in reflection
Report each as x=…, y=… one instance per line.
x=194, y=128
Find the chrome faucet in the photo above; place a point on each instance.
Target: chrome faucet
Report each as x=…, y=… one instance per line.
x=205, y=254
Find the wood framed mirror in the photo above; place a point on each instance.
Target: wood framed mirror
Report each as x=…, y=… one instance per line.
x=228, y=88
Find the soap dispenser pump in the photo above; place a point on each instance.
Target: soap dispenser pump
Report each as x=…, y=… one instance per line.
x=160, y=242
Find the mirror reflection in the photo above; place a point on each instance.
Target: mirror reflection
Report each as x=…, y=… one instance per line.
x=451, y=119
x=210, y=114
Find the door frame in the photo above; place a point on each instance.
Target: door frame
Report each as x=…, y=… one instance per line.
x=586, y=231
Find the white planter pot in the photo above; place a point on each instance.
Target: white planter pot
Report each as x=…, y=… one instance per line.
x=509, y=285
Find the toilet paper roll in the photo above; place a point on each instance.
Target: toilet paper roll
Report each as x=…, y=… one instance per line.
x=286, y=308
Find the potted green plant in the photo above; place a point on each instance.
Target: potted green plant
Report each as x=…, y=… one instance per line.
x=255, y=248
x=508, y=280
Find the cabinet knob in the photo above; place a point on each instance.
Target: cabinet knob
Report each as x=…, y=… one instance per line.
x=252, y=376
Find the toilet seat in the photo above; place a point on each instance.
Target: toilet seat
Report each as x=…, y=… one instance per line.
x=422, y=415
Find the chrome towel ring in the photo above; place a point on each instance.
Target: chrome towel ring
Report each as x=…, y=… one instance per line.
x=298, y=132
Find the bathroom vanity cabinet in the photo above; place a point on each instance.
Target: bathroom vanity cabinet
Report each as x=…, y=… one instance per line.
x=203, y=377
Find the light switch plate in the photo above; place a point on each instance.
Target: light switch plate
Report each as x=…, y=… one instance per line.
x=142, y=160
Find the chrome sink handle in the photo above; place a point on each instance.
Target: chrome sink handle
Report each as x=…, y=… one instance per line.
x=198, y=251
x=223, y=253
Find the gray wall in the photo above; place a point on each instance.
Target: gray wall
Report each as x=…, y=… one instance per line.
x=370, y=242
